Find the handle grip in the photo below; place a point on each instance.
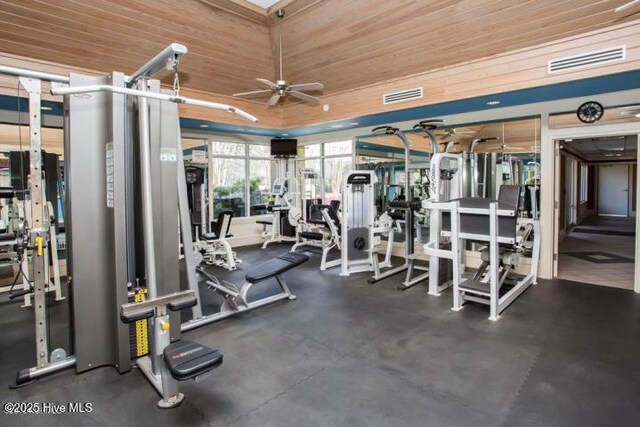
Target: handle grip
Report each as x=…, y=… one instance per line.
x=19, y=293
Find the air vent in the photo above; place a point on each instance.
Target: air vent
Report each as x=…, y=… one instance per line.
x=590, y=59
x=402, y=96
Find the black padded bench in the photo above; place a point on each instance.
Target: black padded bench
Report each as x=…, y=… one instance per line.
x=7, y=193
x=311, y=235
x=188, y=359
x=276, y=266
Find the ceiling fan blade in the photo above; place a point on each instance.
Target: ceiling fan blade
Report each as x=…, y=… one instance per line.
x=268, y=83
x=304, y=97
x=273, y=100
x=254, y=93
x=308, y=87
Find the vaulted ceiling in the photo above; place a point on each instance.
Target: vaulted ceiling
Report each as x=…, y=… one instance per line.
x=343, y=44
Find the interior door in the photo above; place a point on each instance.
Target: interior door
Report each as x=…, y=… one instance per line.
x=613, y=188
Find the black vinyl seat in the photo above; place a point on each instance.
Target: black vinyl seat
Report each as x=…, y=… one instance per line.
x=188, y=359
x=216, y=227
x=333, y=214
x=311, y=235
x=7, y=237
x=7, y=193
x=276, y=266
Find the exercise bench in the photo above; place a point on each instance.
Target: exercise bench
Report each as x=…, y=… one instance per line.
x=236, y=298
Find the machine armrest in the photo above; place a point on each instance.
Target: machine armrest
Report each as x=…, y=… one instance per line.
x=182, y=304
x=134, y=316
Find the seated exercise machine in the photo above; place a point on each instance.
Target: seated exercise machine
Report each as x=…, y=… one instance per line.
x=357, y=232
x=126, y=194
x=409, y=206
x=236, y=299
x=495, y=223
x=212, y=244
x=215, y=246
x=321, y=230
x=285, y=213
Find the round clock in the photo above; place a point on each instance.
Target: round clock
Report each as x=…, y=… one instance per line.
x=590, y=112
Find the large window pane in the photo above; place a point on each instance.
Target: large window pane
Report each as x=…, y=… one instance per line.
x=259, y=150
x=259, y=186
x=229, y=148
x=334, y=170
x=339, y=147
x=311, y=188
x=312, y=150
x=229, y=185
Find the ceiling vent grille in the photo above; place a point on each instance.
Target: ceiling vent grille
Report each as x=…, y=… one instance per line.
x=590, y=59
x=402, y=96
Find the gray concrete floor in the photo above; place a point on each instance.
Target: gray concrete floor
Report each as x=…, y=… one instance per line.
x=346, y=353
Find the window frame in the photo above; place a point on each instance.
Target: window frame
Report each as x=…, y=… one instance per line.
x=323, y=156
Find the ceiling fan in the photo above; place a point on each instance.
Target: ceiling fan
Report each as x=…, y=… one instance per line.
x=281, y=88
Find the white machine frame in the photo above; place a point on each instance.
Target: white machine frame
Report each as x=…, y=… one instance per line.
x=461, y=294
x=287, y=194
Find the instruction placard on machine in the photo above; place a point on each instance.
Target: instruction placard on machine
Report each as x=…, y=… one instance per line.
x=168, y=154
x=109, y=164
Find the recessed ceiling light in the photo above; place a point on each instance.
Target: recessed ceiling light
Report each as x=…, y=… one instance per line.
x=45, y=108
x=493, y=103
x=354, y=123
x=337, y=126
x=204, y=126
x=638, y=115
x=285, y=134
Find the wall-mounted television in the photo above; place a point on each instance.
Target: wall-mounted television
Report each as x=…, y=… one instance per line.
x=281, y=147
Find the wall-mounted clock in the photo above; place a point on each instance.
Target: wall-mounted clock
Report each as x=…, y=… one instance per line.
x=590, y=112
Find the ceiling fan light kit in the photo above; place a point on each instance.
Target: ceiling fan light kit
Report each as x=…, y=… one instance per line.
x=281, y=89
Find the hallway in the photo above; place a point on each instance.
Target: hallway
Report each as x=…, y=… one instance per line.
x=599, y=251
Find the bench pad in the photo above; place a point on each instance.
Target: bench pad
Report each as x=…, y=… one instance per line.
x=311, y=235
x=276, y=266
x=188, y=359
x=213, y=236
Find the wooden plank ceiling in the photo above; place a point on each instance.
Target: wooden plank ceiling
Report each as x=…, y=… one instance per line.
x=343, y=44
x=226, y=50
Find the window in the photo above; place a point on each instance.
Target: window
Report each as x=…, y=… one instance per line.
x=240, y=178
x=259, y=185
x=330, y=160
x=334, y=170
x=259, y=151
x=584, y=182
x=229, y=149
x=228, y=181
x=313, y=150
x=242, y=174
x=312, y=188
x=337, y=148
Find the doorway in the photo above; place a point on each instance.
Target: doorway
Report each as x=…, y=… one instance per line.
x=596, y=231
